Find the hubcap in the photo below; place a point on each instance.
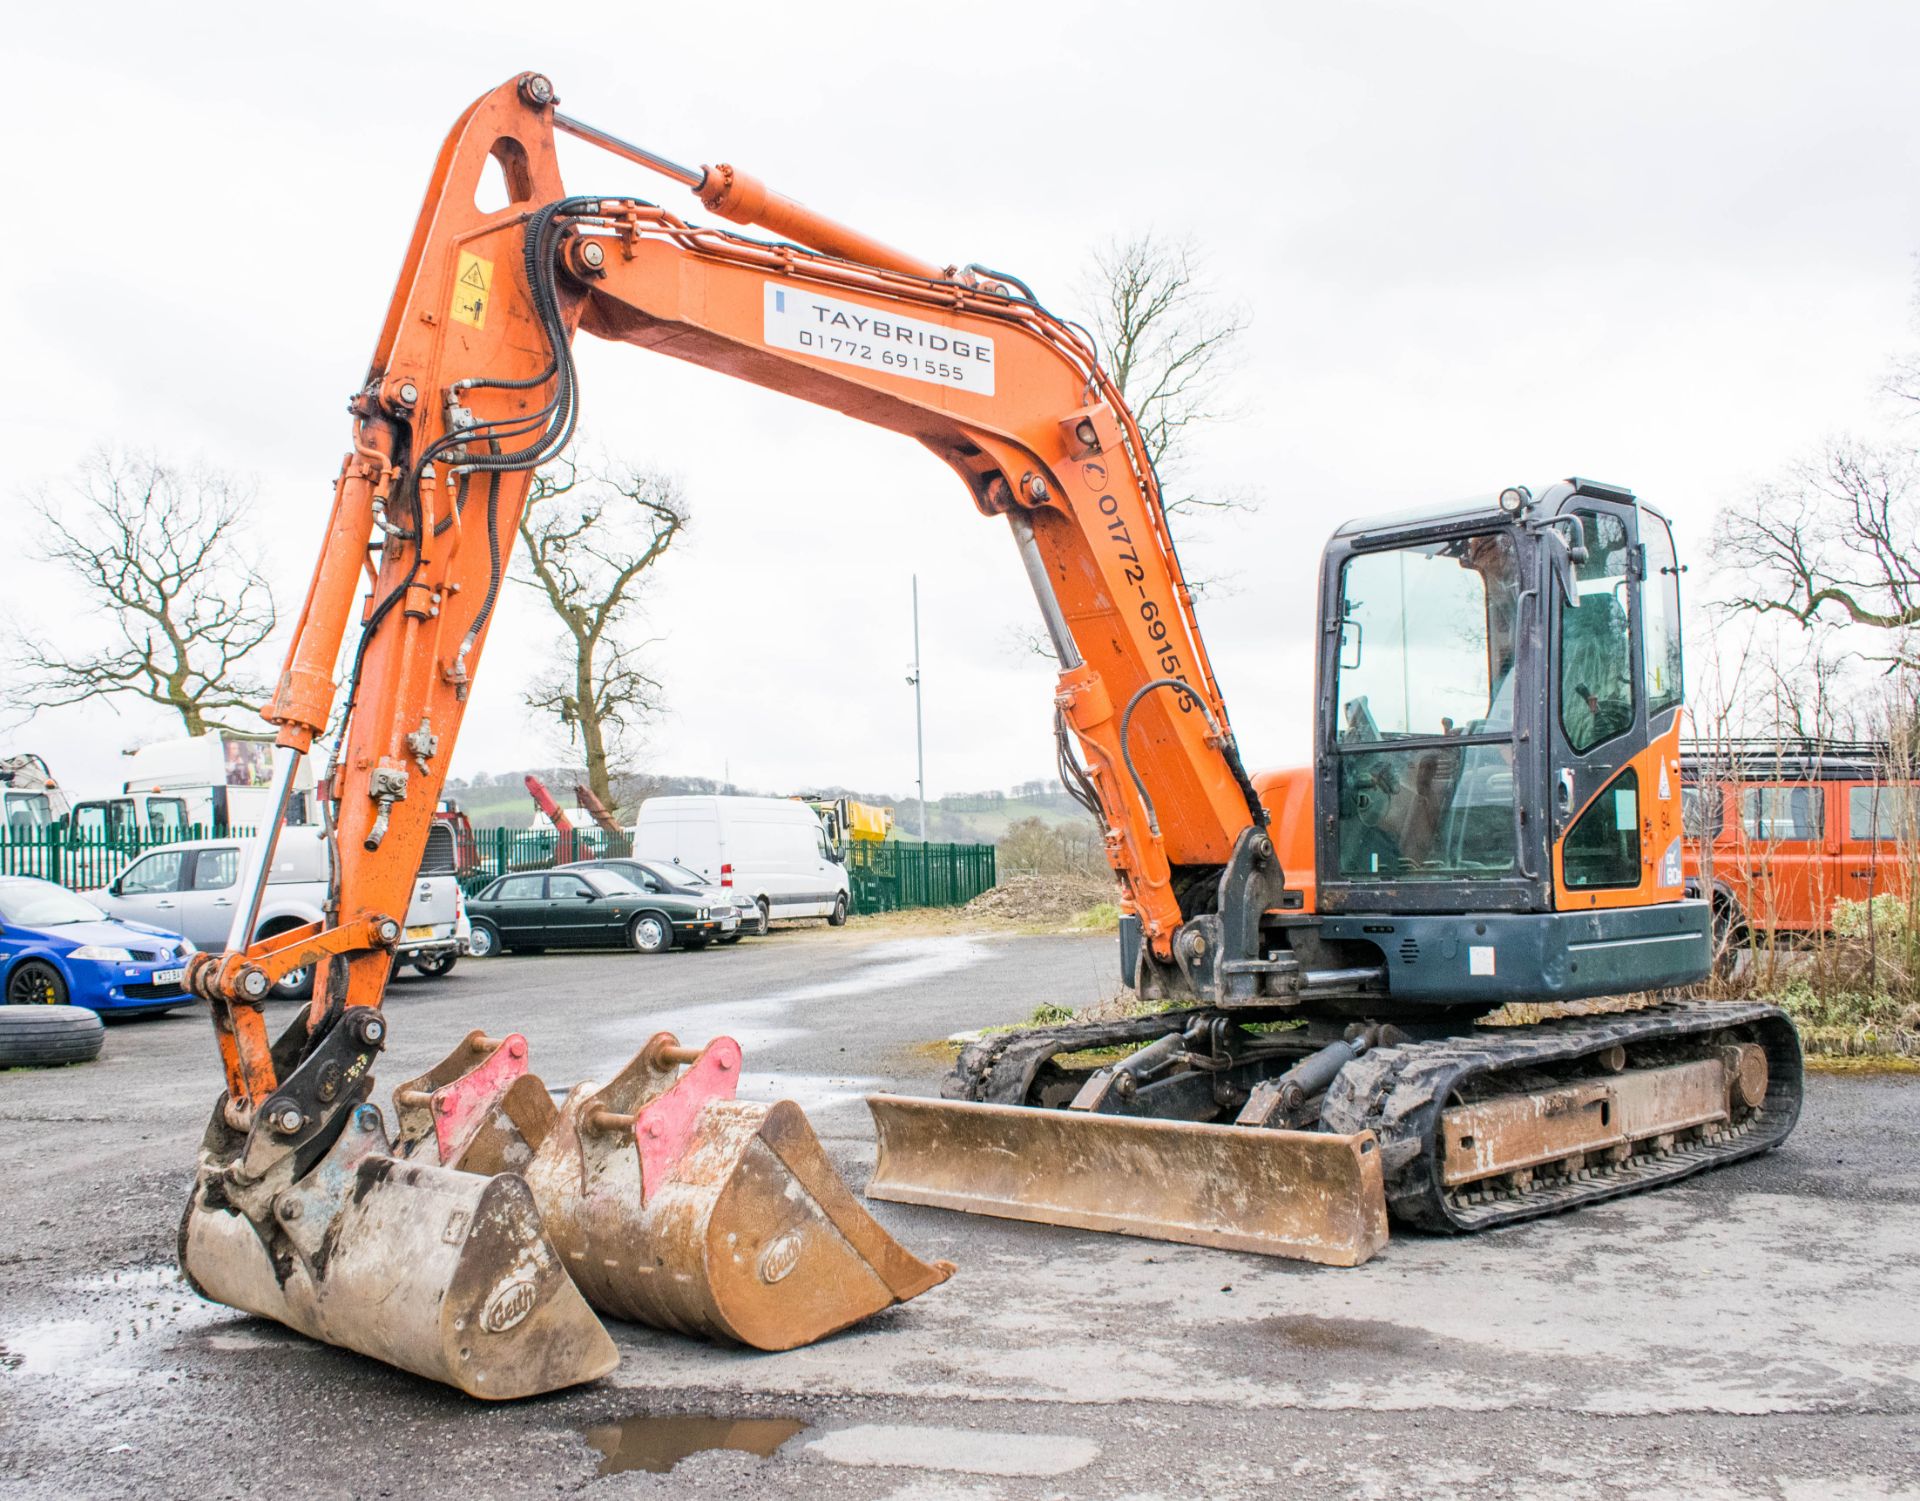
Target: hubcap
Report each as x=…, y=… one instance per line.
x=649, y=934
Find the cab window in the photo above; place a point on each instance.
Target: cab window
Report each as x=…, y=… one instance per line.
x=1771, y=815
x=154, y=875
x=216, y=870
x=567, y=888
x=1660, y=608
x=1596, y=640
x=518, y=889
x=1426, y=640
x=1603, y=846
x=28, y=812
x=167, y=817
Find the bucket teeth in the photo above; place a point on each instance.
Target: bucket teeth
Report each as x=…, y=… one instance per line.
x=679, y=1206
x=442, y=1273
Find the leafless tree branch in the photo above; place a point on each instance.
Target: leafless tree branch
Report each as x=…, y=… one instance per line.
x=591, y=529
x=158, y=554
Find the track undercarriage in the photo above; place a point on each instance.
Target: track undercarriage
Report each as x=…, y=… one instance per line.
x=1467, y=1125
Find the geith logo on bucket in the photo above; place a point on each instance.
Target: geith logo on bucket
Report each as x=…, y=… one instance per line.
x=511, y=1302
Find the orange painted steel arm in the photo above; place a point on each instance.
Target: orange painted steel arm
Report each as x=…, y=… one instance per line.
x=1011, y=398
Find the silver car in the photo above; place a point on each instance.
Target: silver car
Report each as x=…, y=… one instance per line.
x=194, y=887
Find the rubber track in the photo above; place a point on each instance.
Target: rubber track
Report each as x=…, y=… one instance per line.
x=1399, y=1093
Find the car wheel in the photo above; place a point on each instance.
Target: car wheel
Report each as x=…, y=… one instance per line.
x=438, y=965
x=650, y=933
x=37, y=1036
x=483, y=942
x=766, y=918
x=35, y=983
x=295, y=985
x=838, y=917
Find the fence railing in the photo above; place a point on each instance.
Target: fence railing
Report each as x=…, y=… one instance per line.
x=87, y=859
x=497, y=851
x=888, y=876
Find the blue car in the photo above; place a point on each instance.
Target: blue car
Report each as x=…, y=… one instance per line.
x=59, y=949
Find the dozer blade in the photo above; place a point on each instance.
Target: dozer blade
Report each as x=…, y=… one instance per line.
x=677, y=1205
x=1309, y=1195
x=439, y=1272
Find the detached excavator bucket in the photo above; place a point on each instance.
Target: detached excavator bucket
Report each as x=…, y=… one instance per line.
x=443, y=1273
x=677, y=1205
x=1308, y=1195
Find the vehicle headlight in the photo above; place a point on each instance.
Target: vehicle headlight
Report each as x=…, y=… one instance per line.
x=184, y=948
x=703, y=914
x=104, y=952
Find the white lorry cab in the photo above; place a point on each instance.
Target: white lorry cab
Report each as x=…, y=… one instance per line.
x=210, y=783
x=772, y=848
x=29, y=797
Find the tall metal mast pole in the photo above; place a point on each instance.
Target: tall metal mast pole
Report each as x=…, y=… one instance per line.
x=919, y=732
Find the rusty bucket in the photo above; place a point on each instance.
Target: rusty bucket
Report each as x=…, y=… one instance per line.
x=1307, y=1195
x=442, y=1273
x=675, y=1204
x=329, y=1228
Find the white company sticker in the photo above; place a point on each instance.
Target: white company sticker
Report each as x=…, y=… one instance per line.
x=875, y=340
x=1479, y=958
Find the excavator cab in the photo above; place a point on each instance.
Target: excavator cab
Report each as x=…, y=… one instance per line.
x=1496, y=788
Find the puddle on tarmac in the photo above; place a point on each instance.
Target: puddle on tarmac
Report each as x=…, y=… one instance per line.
x=1306, y=1332
x=659, y=1442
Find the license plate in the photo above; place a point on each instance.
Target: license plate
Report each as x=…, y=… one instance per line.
x=425, y=931
x=169, y=976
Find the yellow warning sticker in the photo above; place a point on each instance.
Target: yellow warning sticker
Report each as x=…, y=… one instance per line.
x=472, y=289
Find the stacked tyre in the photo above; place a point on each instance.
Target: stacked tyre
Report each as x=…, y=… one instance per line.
x=43, y=1036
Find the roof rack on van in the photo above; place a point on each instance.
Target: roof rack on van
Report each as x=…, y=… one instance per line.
x=1777, y=757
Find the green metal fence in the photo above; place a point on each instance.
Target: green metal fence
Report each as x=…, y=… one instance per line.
x=90, y=859
x=497, y=851
x=894, y=874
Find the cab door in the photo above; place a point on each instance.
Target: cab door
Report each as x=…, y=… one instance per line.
x=1614, y=693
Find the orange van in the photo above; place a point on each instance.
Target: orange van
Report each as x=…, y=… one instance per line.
x=1778, y=832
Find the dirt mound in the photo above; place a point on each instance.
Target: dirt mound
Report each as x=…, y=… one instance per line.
x=1042, y=898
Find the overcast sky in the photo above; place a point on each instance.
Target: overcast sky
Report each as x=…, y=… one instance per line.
x=1662, y=244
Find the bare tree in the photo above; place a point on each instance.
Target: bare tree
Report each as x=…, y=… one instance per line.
x=158, y=552
x=1834, y=543
x=1169, y=341
x=592, y=527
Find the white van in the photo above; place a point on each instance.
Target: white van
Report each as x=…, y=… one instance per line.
x=772, y=848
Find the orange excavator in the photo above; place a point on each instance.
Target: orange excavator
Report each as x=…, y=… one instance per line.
x=1492, y=817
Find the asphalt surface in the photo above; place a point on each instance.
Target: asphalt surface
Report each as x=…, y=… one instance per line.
x=1754, y=1333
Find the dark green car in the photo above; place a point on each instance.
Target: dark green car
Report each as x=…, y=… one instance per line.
x=583, y=909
